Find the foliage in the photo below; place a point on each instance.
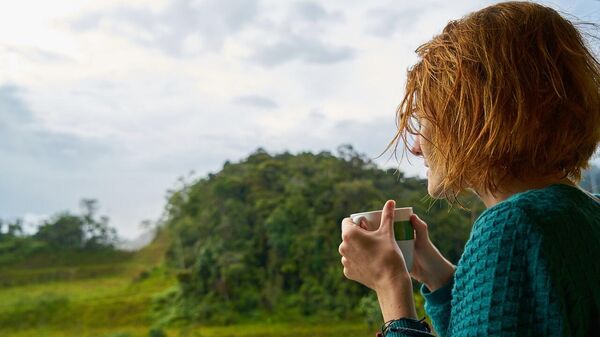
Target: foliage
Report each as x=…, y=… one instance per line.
x=63, y=231
x=261, y=235
x=369, y=308
x=254, y=244
x=78, y=231
x=156, y=333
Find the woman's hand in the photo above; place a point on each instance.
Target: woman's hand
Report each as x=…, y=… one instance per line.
x=373, y=258
x=429, y=266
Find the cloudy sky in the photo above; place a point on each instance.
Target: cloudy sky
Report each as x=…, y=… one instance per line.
x=115, y=100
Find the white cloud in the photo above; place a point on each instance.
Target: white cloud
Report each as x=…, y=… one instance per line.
x=171, y=28
x=256, y=101
x=141, y=94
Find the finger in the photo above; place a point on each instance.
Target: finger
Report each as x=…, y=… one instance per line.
x=420, y=226
x=350, y=229
x=387, y=217
x=342, y=226
x=363, y=224
x=344, y=261
x=346, y=272
x=342, y=249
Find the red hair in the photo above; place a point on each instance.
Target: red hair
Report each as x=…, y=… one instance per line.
x=511, y=90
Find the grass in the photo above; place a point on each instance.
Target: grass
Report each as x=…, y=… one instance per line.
x=250, y=330
x=81, y=292
x=109, y=295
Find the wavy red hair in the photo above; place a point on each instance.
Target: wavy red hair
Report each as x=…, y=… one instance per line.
x=511, y=90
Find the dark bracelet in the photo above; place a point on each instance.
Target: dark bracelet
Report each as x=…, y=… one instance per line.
x=408, y=326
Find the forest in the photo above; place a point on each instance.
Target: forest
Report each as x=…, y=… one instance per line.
x=254, y=245
x=260, y=236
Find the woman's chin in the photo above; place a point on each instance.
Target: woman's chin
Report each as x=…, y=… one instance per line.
x=433, y=190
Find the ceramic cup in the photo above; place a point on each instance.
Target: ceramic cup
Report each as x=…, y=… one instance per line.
x=403, y=229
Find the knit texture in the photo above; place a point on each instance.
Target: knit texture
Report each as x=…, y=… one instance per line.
x=531, y=267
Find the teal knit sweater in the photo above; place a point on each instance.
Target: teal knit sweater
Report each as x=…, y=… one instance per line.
x=531, y=267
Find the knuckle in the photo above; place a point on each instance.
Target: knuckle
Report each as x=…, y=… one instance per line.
x=342, y=249
x=346, y=235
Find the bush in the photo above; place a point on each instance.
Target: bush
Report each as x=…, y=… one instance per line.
x=369, y=308
x=156, y=332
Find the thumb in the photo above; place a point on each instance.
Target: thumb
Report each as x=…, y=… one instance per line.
x=387, y=217
x=420, y=226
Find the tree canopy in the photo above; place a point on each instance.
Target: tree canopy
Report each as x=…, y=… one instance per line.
x=262, y=234
x=64, y=230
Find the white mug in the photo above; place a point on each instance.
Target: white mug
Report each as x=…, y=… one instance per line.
x=403, y=229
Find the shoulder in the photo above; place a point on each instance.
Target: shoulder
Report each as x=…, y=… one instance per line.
x=500, y=238
x=537, y=207
x=521, y=223
x=502, y=219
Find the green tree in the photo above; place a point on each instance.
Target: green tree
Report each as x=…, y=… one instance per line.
x=97, y=232
x=63, y=230
x=261, y=235
x=85, y=231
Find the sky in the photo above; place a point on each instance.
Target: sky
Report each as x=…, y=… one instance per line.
x=115, y=100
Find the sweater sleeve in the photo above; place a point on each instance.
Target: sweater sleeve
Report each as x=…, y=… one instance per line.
x=485, y=295
x=438, y=304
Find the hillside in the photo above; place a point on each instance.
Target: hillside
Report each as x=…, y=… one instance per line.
x=253, y=245
x=260, y=237
x=63, y=292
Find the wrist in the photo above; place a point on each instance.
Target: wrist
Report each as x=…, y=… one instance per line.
x=396, y=299
x=390, y=282
x=441, y=278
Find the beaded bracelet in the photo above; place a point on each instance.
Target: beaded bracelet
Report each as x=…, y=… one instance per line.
x=409, y=326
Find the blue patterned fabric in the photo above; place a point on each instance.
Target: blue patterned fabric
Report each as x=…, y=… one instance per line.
x=520, y=251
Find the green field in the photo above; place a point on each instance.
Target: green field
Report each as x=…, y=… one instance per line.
x=246, y=330
x=110, y=295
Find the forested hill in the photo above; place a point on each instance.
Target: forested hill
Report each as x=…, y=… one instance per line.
x=262, y=235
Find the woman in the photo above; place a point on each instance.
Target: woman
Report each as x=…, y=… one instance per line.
x=505, y=103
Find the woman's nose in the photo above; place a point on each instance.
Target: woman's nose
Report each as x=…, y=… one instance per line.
x=416, y=148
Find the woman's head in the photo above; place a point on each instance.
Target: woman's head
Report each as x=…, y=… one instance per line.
x=509, y=91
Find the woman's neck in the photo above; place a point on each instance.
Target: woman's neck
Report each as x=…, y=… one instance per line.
x=514, y=186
